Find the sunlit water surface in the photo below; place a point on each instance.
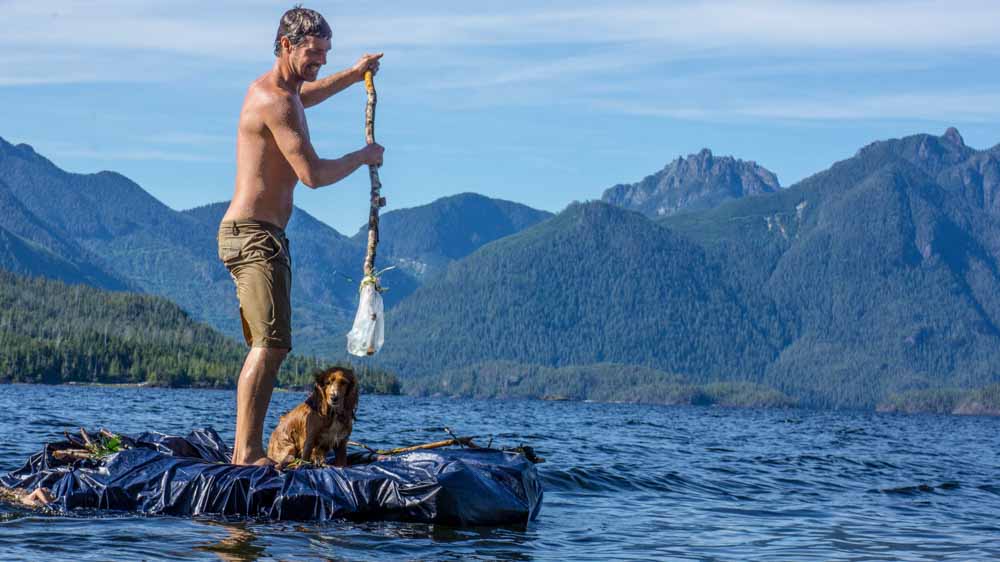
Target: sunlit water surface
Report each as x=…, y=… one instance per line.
x=622, y=482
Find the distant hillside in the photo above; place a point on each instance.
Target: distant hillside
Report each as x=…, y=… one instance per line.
x=974, y=402
x=700, y=181
x=594, y=284
x=52, y=333
x=424, y=239
x=605, y=382
x=873, y=278
x=889, y=276
x=876, y=281
x=28, y=258
x=32, y=246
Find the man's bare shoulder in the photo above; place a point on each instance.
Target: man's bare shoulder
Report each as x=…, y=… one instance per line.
x=269, y=99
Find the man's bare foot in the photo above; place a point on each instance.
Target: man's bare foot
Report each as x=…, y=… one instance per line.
x=258, y=458
x=261, y=460
x=39, y=498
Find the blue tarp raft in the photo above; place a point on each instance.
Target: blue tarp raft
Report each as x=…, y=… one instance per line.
x=188, y=476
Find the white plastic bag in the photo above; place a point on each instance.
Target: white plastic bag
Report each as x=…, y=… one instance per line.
x=368, y=333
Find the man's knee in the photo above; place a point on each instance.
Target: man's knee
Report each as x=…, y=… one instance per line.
x=269, y=358
x=274, y=354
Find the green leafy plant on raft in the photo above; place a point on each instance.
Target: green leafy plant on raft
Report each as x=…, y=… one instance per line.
x=105, y=445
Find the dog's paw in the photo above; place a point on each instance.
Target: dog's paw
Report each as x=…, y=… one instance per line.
x=286, y=463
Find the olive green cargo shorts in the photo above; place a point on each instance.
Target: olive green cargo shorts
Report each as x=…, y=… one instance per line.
x=257, y=256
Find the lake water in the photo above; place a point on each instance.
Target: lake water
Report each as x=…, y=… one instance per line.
x=622, y=482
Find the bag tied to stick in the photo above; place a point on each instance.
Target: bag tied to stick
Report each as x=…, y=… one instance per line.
x=368, y=333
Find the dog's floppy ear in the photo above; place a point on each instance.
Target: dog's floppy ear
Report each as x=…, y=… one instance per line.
x=351, y=402
x=317, y=400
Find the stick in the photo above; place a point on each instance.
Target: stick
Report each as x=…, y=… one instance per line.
x=376, y=199
x=463, y=441
x=72, y=454
x=453, y=436
x=74, y=440
x=86, y=437
x=363, y=446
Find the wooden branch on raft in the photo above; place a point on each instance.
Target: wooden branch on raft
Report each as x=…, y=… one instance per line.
x=376, y=200
x=462, y=441
x=71, y=455
x=87, y=447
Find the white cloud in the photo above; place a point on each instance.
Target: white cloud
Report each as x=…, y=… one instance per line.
x=582, y=52
x=244, y=30
x=927, y=106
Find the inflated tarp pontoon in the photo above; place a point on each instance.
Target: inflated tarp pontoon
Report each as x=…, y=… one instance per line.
x=187, y=476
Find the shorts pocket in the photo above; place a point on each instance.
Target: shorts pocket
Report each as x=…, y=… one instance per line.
x=260, y=246
x=230, y=248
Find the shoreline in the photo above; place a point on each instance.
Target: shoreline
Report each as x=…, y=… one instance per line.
x=160, y=386
x=882, y=408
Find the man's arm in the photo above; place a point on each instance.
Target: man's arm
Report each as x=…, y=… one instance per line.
x=313, y=93
x=287, y=126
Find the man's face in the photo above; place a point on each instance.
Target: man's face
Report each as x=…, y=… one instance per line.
x=308, y=56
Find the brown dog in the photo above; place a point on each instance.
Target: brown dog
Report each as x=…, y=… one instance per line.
x=320, y=424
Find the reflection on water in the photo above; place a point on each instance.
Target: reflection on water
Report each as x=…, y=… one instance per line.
x=623, y=482
x=238, y=545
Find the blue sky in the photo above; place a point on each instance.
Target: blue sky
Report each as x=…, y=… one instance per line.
x=538, y=102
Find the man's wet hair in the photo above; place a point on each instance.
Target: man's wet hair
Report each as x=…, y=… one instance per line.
x=299, y=23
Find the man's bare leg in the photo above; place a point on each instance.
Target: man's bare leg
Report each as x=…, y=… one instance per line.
x=253, y=395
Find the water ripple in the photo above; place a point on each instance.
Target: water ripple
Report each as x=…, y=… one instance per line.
x=622, y=481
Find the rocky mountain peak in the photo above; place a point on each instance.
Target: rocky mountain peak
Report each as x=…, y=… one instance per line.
x=21, y=149
x=930, y=153
x=698, y=181
x=953, y=136
x=23, y=152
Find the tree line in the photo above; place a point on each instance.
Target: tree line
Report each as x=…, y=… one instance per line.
x=52, y=333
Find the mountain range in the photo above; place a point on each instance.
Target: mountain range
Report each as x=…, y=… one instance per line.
x=104, y=230
x=875, y=277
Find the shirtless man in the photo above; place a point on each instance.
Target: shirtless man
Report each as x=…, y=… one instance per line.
x=273, y=152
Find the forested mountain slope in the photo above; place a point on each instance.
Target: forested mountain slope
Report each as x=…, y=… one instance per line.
x=888, y=272
x=425, y=239
x=51, y=332
x=594, y=284
x=878, y=277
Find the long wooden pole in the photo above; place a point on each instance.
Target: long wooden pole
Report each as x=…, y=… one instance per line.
x=377, y=200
